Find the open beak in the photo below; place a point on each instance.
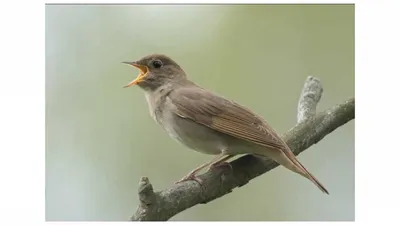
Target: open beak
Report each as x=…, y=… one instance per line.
x=142, y=74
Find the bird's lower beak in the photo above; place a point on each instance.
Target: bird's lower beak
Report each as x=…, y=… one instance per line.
x=142, y=74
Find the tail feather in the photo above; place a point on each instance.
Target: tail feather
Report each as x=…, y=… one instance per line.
x=287, y=159
x=304, y=172
x=311, y=177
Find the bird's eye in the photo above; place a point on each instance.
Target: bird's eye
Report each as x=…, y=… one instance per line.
x=157, y=64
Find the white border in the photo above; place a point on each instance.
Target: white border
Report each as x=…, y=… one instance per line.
x=377, y=112
x=198, y=2
x=22, y=112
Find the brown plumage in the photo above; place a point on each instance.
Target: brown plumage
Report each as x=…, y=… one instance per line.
x=207, y=122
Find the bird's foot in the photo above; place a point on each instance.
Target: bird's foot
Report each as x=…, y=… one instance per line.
x=190, y=176
x=221, y=165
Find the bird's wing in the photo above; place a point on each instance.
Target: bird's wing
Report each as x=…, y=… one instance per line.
x=225, y=116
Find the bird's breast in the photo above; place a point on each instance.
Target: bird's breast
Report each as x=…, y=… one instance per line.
x=185, y=131
x=191, y=134
x=155, y=106
x=150, y=104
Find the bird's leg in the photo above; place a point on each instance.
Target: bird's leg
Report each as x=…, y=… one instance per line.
x=220, y=163
x=192, y=175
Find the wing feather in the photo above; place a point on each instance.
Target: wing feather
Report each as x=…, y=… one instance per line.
x=224, y=116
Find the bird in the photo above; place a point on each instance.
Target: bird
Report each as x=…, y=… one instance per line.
x=208, y=122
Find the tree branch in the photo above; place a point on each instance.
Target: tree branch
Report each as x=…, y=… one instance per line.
x=310, y=129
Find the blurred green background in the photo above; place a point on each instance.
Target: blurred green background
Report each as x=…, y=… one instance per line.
x=100, y=138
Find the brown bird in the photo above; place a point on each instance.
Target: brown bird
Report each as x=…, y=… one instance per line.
x=207, y=122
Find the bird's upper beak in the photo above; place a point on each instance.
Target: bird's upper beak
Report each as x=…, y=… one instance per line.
x=142, y=74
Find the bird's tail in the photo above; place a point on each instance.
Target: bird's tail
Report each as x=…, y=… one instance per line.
x=287, y=159
x=304, y=172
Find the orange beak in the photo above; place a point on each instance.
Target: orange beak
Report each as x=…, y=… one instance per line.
x=142, y=74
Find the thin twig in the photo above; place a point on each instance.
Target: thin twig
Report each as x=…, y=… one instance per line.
x=309, y=98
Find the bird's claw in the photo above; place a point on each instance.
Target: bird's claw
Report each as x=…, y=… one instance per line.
x=220, y=165
x=188, y=177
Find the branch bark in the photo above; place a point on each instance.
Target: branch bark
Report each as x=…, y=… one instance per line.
x=310, y=129
x=309, y=98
